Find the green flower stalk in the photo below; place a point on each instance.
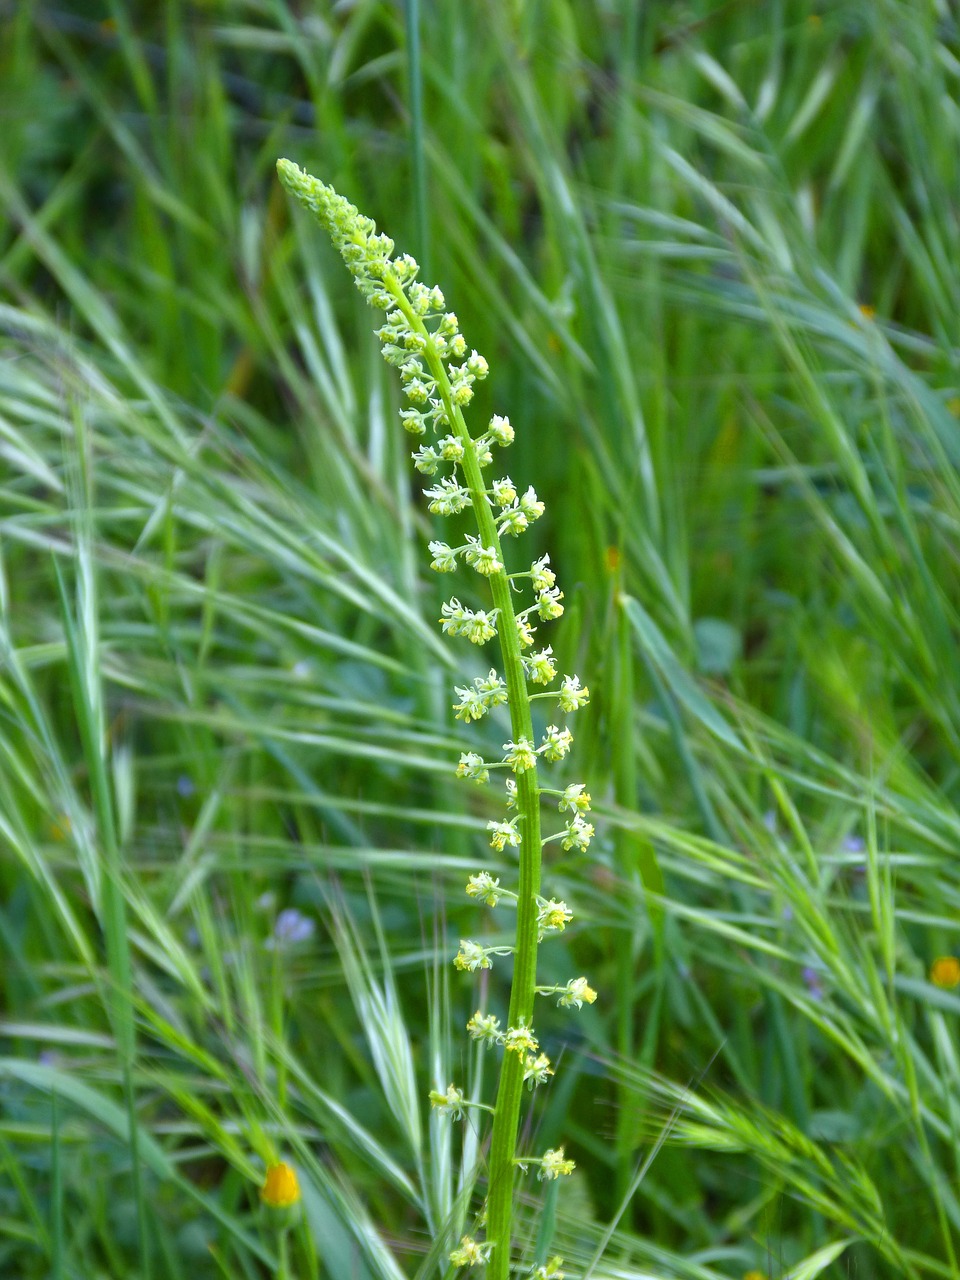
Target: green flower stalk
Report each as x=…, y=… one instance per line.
x=423, y=341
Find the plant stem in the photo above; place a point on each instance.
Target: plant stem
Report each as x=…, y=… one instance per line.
x=506, y=1119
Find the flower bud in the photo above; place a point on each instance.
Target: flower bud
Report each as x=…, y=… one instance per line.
x=280, y=1195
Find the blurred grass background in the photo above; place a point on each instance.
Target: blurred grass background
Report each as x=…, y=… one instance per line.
x=710, y=252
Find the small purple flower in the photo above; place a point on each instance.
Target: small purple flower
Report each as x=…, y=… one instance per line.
x=291, y=927
x=770, y=821
x=812, y=981
x=853, y=844
x=185, y=787
x=787, y=913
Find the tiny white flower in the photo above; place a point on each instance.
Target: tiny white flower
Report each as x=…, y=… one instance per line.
x=520, y=1039
x=572, y=695
x=426, y=460
x=575, y=799
x=536, y=1069
x=553, y=916
x=488, y=692
x=502, y=833
x=511, y=794
x=477, y=365
x=578, y=834
x=471, y=705
x=419, y=296
x=471, y=956
x=531, y=506
x=470, y=1254
x=540, y=667
x=493, y=687
x=485, y=887
x=461, y=392
x=448, y=497
x=395, y=355
x=542, y=576
x=485, y=1027
x=472, y=766
x=548, y=603
x=500, y=430
x=554, y=1165
x=412, y=420
x=480, y=627
x=418, y=391
x=444, y=557
x=525, y=631
x=405, y=267
x=504, y=492
x=520, y=755
x=577, y=992
x=391, y=331
x=513, y=521
x=484, y=559
x=556, y=743
x=449, y=1103
x=453, y=615
x=451, y=448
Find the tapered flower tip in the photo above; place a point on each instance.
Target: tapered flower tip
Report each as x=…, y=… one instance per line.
x=288, y=172
x=307, y=189
x=310, y=191
x=281, y=1189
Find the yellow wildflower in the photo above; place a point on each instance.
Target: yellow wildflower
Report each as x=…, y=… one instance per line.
x=281, y=1189
x=945, y=972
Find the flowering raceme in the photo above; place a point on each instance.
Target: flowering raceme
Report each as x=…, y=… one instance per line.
x=439, y=374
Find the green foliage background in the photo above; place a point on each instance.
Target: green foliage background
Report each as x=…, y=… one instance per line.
x=711, y=254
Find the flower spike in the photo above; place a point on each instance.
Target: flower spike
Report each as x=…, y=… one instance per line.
x=439, y=374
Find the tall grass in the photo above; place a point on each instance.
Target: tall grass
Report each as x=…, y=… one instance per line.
x=711, y=254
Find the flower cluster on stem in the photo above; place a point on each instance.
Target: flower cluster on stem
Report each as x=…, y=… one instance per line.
x=438, y=372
